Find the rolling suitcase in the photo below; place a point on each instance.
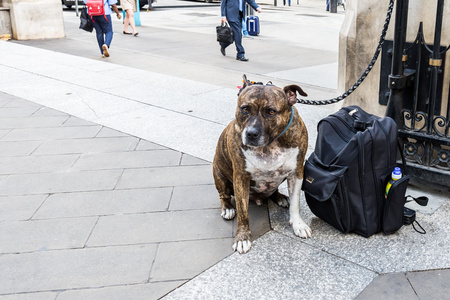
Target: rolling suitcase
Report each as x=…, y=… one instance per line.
x=253, y=25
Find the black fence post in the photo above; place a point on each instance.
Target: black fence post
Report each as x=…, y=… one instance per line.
x=333, y=6
x=397, y=79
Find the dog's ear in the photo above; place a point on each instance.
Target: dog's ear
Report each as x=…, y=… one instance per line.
x=291, y=93
x=245, y=84
x=245, y=81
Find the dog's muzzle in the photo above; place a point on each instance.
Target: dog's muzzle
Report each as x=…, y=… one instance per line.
x=253, y=136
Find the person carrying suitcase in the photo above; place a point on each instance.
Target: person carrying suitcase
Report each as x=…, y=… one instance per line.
x=232, y=12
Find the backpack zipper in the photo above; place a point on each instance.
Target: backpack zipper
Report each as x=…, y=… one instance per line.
x=388, y=148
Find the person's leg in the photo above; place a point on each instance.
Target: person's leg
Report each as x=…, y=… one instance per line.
x=237, y=32
x=130, y=16
x=244, y=27
x=107, y=29
x=105, y=24
x=126, y=22
x=98, y=33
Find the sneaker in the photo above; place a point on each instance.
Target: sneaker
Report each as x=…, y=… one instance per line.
x=247, y=36
x=105, y=50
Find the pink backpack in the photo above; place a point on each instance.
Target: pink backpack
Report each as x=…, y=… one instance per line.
x=96, y=8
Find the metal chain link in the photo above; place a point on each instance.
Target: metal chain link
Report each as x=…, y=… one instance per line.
x=366, y=72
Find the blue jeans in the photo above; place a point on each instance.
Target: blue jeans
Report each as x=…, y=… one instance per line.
x=103, y=29
x=244, y=26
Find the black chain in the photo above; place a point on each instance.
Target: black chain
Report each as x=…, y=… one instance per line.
x=366, y=72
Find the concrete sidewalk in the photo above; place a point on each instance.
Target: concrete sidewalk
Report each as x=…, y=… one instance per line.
x=106, y=186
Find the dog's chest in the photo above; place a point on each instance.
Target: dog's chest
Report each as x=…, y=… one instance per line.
x=270, y=168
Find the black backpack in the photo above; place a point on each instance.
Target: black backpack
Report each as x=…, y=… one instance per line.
x=345, y=177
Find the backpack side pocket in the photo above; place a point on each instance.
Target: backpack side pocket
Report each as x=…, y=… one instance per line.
x=393, y=209
x=323, y=186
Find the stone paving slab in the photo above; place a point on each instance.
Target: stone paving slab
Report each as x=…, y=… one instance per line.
x=102, y=203
x=31, y=296
x=75, y=268
x=389, y=286
x=49, y=112
x=10, y=122
x=43, y=235
x=74, y=121
x=132, y=291
x=180, y=261
x=18, y=148
x=166, y=176
x=96, y=145
x=194, y=197
x=33, y=134
x=435, y=281
x=409, y=285
x=17, y=112
x=160, y=227
x=17, y=208
x=278, y=267
x=37, y=164
x=126, y=160
x=28, y=184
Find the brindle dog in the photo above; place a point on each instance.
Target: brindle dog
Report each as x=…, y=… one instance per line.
x=263, y=146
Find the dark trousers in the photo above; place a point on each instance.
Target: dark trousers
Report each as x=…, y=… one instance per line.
x=104, y=30
x=236, y=27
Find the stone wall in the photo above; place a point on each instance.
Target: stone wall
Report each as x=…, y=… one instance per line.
x=5, y=21
x=359, y=38
x=35, y=19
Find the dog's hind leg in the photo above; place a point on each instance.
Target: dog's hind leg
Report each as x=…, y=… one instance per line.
x=225, y=189
x=280, y=199
x=228, y=211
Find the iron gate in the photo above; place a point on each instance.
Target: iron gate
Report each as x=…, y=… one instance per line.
x=411, y=84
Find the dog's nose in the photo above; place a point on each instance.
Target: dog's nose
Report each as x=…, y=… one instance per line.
x=253, y=133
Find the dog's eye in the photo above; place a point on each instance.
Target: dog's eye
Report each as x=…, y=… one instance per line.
x=245, y=110
x=271, y=112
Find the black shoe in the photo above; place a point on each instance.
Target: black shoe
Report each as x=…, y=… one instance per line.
x=124, y=32
x=241, y=58
x=222, y=50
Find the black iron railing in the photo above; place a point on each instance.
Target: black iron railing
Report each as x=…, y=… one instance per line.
x=414, y=90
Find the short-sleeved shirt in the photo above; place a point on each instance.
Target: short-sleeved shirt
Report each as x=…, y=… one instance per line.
x=107, y=3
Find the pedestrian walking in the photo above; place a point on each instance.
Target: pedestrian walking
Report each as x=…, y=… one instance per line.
x=245, y=33
x=103, y=26
x=129, y=7
x=232, y=11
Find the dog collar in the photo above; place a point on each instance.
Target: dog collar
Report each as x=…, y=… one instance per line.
x=290, y=122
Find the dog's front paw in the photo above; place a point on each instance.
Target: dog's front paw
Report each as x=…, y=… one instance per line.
x=301, y=229
x=242, y=242
x=228, y=213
